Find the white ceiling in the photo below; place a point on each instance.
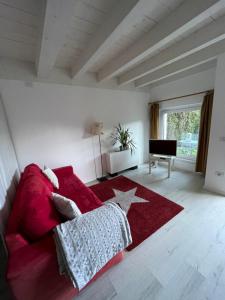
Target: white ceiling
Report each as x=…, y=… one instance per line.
x=111, y=38
x=19, y=23
x=88, y=17
x=144, y=20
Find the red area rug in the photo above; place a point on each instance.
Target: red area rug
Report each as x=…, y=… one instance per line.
x=144, y=217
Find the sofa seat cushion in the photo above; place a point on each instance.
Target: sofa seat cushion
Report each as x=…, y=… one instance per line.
x=33, y=273
x=33, y=208
x=73, y=188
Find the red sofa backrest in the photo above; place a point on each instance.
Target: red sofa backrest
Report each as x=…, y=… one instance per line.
x=33, y=214
x=73, y=188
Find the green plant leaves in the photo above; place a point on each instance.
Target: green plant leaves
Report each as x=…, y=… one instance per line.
x=124, y=137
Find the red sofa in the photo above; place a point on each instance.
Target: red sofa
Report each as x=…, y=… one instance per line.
x=32, y=270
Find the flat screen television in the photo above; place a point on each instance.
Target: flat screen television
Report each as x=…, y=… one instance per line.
x=163, y=147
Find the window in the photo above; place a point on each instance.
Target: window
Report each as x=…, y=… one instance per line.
x=183, y=126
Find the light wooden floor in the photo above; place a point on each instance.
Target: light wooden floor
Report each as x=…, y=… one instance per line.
x=185, y=259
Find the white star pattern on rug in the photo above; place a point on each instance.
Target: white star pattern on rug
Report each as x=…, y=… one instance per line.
x=125, y=199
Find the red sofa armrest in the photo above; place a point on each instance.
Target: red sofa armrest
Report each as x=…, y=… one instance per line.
x=33, y=273
x=14, y=242
x=28, y=257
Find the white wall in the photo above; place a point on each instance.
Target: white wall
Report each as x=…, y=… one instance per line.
x=8, y=168
x=216, y=154
x=50, y=123
x=188, y=85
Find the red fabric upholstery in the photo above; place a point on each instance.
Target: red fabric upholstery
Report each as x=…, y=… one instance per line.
x=33, y=212
x=32, y=266
x=37, y=273
x=16, y=242
x=73, y=188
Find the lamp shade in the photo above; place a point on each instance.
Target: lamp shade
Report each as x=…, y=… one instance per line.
x=97, y=128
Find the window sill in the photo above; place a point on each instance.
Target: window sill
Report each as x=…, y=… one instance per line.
x=185, y=160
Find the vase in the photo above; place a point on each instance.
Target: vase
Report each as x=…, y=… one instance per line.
x=124, y=147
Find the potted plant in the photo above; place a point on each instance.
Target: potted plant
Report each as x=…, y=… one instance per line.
x=123, y=136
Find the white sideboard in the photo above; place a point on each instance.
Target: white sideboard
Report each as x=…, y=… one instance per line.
x=120, y=160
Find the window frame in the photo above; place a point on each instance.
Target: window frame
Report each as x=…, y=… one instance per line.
x=163, y=119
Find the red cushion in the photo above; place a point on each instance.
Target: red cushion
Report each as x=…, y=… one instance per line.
x=15, y=242
x=33, y=273
x=63, y=172
x=73, y=188
x=33, y=208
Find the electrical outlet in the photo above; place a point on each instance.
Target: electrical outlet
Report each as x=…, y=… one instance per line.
x=219, y=173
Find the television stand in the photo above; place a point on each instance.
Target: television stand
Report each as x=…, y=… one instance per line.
x=153, y=158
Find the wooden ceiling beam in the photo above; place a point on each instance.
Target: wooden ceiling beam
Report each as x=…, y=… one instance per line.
x=185, y=18
x=197, y=69
x=195, y=59
x=204, y=37
x=122, y=14
x=57, y=19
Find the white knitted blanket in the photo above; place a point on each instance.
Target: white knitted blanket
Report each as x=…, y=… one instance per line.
x=85, y=244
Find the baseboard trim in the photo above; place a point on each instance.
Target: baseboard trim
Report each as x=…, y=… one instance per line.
x=214, y=190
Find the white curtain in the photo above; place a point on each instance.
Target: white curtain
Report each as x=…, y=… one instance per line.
x=9, y=171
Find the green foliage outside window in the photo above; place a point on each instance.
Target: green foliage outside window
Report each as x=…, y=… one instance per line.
x=184, y=127
x=181, y=123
